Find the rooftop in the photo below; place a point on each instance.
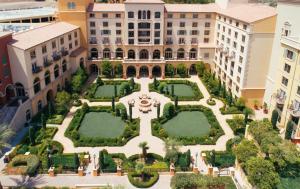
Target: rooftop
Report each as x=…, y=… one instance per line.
x=19, y=27
x=3, y=34
x=31, y=38
x=26, y=13
x=212, y=7
x=145, y=1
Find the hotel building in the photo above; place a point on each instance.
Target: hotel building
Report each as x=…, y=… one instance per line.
x=283, y=86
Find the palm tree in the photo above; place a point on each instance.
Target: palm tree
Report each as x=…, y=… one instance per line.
x=4, y=135
x=144, y=146
x=247, y=112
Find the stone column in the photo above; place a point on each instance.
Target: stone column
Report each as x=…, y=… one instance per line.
x=137, y=68
x=124, y=72
x=163, y=71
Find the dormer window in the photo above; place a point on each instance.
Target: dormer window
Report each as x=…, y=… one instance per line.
x=286, y=30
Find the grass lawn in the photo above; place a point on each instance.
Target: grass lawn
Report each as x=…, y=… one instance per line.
x=182, y=90
x=101, y=124
x=289, y=183
x=187, y=124
x=106, y=91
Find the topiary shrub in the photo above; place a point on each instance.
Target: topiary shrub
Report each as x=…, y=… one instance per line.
x=125, y=88
x=289, y=130
x=274, y=118
x=23, y=164
x=169, y=110
x=151, y=179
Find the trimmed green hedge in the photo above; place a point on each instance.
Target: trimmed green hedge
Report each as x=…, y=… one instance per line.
x=90, y=93
x=131, y=130
x=154, y=176
x=197, y=93
x=28, y=164
x=215, y=130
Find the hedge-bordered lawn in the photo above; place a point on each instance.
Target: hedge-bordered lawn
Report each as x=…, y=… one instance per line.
x=193, y=124
x=287, y=183
x=183, y=89
x=101, y=124
x=106, y=91
x=187, y=124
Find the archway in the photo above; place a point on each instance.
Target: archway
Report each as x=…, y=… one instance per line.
x=144, y=71
x=193, y=53
x=20, y=90
x=144, y=54
x=94, y=69
x=50, y=96
x=10, y=92
x=106, y=53
x=168, y=53
x=131, y=71
x=131, y=54
x=156, y=54
x=156, y=71
x=180, y=53
x=193, y=70
x=119, y=53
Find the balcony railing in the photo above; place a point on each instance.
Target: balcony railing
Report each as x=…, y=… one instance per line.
x=169, y=42
x=36, y=69
x=162, y=59
x=56, y=57
x=93, y=42
x=47, y=63
x=65, y=53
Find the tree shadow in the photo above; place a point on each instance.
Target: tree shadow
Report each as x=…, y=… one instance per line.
x=29, y=182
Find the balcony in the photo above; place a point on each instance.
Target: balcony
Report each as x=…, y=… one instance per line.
x=56, y=57
x=169, y=42
x=93, y=42
x=36, y=69
x=295, y=112
x=47, y=63
x=65, y=53
x=280, y=99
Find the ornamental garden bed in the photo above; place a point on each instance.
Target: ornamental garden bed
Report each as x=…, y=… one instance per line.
x=190, y=125
x=100, y=126
x=183, y=89
x=23, y=165
x=105, y=90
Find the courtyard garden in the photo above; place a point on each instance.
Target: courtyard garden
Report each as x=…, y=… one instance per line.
x=102, y=126
x=107, y=89
x=184, y=90
x=189, y=124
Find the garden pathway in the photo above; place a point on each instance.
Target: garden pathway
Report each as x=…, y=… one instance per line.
x=156, y=145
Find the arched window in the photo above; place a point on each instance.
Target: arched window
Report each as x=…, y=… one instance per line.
x=64, y=66
x=156, y=54
x=193, y=53
x=47, y=77
x=36, y=85
x=180, y=53
x=131, y=54
x=119, y=53
x=81, y=62
x=106, y=53
x=144, y=54
x=168, y=53
x=56, y=71
x=144, y=15
x=20, y=89
x=140, y=14
x=148, y=14
x=94, y=53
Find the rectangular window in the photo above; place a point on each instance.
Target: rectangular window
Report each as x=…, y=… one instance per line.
x=44, y=49
x=156, y=41
x=130, y=41
x=6, y=72
x=105, y=32
x=243, y=38
x=207, y=24
x=170, y=16
x=182, y=24
x=169, y=24
x=244, y=26
x=157, y=34
x=242, y=49
x=239, y=69
x=284, y=81
x=130, y=25
x=71, y=5
x=92, y=24
x=289, y=54
x=157, y=14
x=75, y=34
x=118, y=32
x=118, y=15
x=157, y=26
x=53, y=44
x=169, y=32
x=118, y=24
x=182, y=15
x=234, y=45
x=62, y=41
x=236, y=35
x=194, y=32
x=70, y=37
x=298, y=90
x=287, y=68
x=195, y=15
x=207, y=15
x=104, y=15
x=32, y=54
x=105, y=24
x=92, y=15
x=206, y=55
x=181, y=32
x=76, y=43
x=181, y=41
x=130, y=14
x=195, y=24
x=206, y=40
x=206, y=32
x=70, y=46
x=131, y=34
x=93, y=32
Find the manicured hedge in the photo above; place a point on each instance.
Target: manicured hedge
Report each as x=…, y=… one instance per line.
x=23, y=164
x=215, y=130
x=131, y=130
x=154, y=176
x=66, y=161
x=90, y=93
x=197, y=93
x=237, y=125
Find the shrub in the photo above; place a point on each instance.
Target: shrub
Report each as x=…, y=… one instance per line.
x=161, y=87
x=170, y=70
x=289, y=130
x=274, y=118
x=78, y=79
x=154, y=176
x=106, y=68
x=181, y=70
x=23, y=164
x=106, y=162
x=62, y=101
x=169, y=110
x=119, y=69
x=125, y=88
x=99, y=81
x=237, y=125
x=245, y=150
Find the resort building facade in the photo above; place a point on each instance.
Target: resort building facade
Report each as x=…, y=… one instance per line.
x=283, y=85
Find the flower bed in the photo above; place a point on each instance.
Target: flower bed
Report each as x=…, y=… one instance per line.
x=214, y=133
x=131, y=130
x=184, y=86
x=92, y=89
x=23, y=164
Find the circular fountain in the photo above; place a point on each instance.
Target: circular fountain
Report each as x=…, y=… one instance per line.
x=145, y=103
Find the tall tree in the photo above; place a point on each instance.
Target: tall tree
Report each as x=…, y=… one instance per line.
x=158, y=111
x=113, y=104
x=115, y=90
x=5, y=134
x=247, y=112
x=130, y=112
x=144, y=146
x=172, y=90
x=107, y=68
x=176, y=102
x=171, y=149
x=274, y=118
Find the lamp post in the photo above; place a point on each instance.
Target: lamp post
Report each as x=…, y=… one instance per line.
x=196, y=163
x=94, y=161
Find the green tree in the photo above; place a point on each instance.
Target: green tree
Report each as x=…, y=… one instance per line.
x=5, y=134
x=172, y=90
x=181, y=70
x=171, y=149
x=261, y=173
x=144, y=146
x=78, y=79
x=158, y=111
x=247, y=112
x=62, y=101
x=200, y=67
x=169, y=70
x=99, y=81
x=130, y=112
x=140, y=170
x=85, y=107
x=132, y=83
x=43, y=121
x=115, y=90
x=245, y=150
x=51, y=109
x=240, y=103
x=125, y=88
x=161, y=87
x=155, y=83
x=113, y=104
x=274, y=118
x=176, y=102
x=213, y=158
x=107, y=68
x=289, y=130
x=169, y=110
x=31, y=135
x=229, y=98
x=119, y=69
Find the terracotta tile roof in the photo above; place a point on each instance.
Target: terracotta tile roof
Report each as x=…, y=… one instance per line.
x=34, y=37
x=106, y=7
x=192, y=7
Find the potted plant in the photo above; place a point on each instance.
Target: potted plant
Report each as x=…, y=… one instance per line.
x=265, y=108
